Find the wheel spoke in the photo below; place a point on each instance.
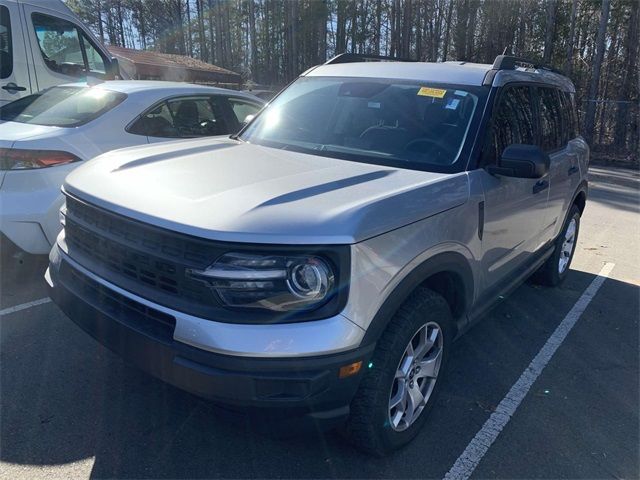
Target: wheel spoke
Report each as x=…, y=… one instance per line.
x=400, y=395
x=405, y=366
x=429, y=366
x=415, y=400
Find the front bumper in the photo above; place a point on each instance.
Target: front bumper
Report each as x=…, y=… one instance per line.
x=301, y=388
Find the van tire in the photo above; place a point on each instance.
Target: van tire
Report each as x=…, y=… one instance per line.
x=368, y=426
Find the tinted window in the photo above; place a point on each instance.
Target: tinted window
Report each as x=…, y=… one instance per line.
x=62, y=106
x=512, y=122
x=242, y=108
x=186, y=117
x=552, y=136
x=65, y=48
x=407, y=125
x=568, y=124
x=6, y=48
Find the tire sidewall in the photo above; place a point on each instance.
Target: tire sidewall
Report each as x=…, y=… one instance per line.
x=574, y=213
x=391, y=438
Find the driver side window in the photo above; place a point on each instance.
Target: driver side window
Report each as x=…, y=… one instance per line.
x=65, y=48
x=512, y=122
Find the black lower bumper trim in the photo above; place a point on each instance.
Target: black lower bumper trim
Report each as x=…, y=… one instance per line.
x=308, y=386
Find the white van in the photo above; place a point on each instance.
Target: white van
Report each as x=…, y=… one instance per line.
x=42, y=44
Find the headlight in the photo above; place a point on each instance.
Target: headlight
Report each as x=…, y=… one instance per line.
x=274, y=282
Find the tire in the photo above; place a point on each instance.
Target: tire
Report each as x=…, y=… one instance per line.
x=553, y=272
x=370, y=426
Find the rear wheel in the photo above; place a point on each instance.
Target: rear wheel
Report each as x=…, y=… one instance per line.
x=399, y=389
x=556, y=268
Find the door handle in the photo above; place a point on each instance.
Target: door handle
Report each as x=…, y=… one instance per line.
x=573, y=169
x=12, y=87
x=540, y=186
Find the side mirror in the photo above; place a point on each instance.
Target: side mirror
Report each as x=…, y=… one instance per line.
x=521, y=161
x=113, y=69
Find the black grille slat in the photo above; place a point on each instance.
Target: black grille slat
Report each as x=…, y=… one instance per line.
x=150, y=259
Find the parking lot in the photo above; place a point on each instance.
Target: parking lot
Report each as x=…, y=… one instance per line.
x=70, y=408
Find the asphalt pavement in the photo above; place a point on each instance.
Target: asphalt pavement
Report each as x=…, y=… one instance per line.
x=69, y=408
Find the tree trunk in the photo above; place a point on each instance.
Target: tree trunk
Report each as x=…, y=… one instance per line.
x=568, y=65
x=595, y=76
x=550, y=29
x=445, y=45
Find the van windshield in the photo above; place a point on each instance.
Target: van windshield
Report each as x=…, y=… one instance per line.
x=62, y=106
x=409, y=125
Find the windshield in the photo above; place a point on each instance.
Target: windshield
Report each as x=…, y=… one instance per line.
x=62, y=106
x=410, y=125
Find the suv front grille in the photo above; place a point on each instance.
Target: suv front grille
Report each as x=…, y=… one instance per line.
x=147, y=260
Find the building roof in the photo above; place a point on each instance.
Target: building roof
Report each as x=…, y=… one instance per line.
x=156, y=62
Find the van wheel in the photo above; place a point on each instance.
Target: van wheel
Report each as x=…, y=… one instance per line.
x=398, y=391
x=556, y=268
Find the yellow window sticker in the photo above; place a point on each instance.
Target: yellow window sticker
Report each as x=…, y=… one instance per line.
x=431, y=92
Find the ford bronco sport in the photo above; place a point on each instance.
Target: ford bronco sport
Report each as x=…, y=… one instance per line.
x=319, y=264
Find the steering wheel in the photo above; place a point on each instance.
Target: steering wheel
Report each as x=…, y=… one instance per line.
x=438, y=149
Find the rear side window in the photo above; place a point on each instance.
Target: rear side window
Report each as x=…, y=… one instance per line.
x=6, y=47
x=552, y=135
x=65, y=48
x=242, y=108
x=572, y=114
x=512, y=122
x=186, y=117
x=62, y=106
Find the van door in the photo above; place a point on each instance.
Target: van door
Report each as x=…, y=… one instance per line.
x=514, y=208
x=14, y=64
x=63, y=51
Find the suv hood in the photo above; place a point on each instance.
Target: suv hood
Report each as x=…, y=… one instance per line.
x=232, y=191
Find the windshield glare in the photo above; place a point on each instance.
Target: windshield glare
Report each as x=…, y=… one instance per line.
x=378, y=121
x=62, y=106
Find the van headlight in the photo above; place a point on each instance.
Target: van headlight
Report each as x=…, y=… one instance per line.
x=274, y=282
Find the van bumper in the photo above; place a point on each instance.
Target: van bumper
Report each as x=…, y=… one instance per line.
x=303, y=391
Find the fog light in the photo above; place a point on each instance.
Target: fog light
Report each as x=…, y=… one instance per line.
x=351, y=369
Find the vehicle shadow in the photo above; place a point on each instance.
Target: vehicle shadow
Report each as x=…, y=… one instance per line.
x=65, y=398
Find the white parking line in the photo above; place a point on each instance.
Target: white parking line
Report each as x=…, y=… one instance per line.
x=478, y=447
x=24, y=306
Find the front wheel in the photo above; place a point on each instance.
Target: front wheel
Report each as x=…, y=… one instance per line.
x=556, y=268
x=399, y=389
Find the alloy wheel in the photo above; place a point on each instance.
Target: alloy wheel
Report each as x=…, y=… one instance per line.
x=416, y=376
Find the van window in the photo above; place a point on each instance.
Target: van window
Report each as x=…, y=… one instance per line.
x=62, y=106
x=6, y=49
x=512, y=123
x=65, y=48
x=551, y=131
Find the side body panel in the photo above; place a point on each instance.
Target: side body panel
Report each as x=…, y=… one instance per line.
x=380, y=264
x=18, y=83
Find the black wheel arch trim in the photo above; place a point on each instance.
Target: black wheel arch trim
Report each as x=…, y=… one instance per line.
x=447, y=262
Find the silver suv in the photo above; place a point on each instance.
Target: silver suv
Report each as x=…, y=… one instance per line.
x=318, y=266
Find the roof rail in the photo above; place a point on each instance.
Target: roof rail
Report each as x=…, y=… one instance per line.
x=509, y=62
x=362, y=57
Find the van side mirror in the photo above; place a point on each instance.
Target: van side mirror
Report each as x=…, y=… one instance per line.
x=521, y=161
x=113, y=69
